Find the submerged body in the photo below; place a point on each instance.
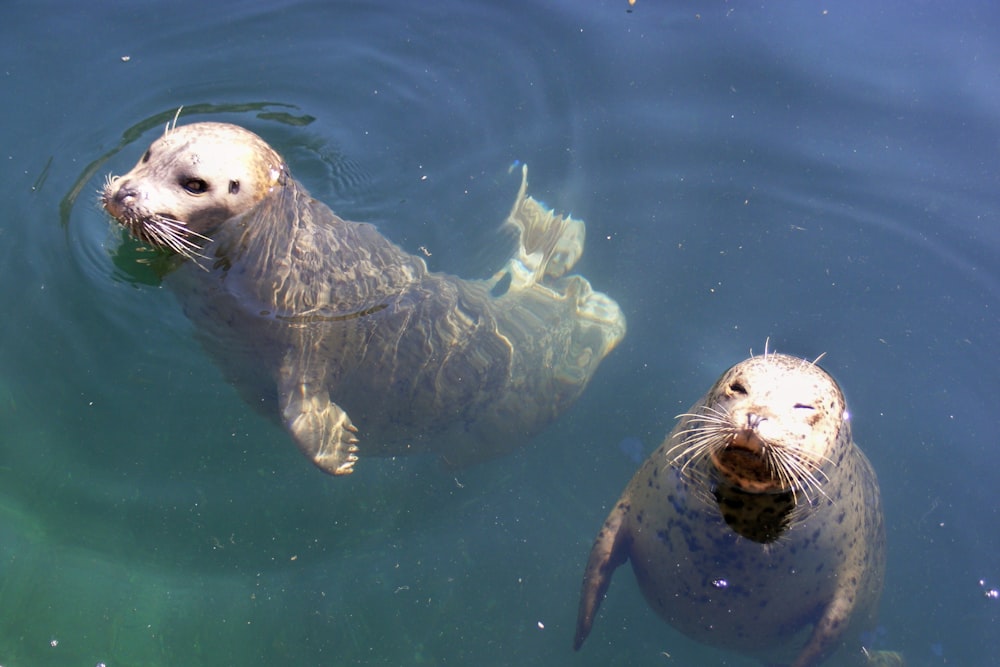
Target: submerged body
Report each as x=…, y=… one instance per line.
x=757, y=525
x=351, y=339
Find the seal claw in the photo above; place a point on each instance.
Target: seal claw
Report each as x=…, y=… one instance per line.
x=321, y=428
x=345, y=468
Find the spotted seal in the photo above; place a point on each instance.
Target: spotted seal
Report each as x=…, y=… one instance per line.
x=757, y=525
x=347, y=336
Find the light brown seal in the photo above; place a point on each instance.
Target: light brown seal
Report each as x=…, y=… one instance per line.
x=757, y=525
x=353, y=337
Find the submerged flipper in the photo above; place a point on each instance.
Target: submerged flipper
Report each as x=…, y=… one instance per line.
x=609, y=551
x=548, y=244
x=321, y=428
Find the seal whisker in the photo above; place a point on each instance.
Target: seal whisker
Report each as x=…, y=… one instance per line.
x=705, y=429
x=719, y=413
x=705, y=418
x=704, y=438
x=172, y=126
x=707, y=439
x=766, y=351
x=775, y=464
x=162, y=231
x=181, y=229
x=814, y=460
x=801, y=474
x=173, y=239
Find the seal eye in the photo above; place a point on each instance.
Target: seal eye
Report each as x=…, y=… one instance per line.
x=738, y=388
x=234, y=187
x=195, y=186
x=145, y=157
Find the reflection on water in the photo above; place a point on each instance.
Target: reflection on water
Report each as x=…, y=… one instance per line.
x=823, y=178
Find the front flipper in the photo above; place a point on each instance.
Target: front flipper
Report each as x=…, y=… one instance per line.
x=829, y=630
x=321, y=428
x=609, y=551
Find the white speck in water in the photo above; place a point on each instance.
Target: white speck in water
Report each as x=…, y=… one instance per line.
x=720, y=583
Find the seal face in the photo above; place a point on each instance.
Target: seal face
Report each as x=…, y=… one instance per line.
x=328, y=324
x=190, y=181
x=757, y=525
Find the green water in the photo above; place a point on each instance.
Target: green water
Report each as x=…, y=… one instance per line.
x=825, y=179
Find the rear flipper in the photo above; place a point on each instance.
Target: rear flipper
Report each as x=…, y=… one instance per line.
x=598, y=326
x=548, y=244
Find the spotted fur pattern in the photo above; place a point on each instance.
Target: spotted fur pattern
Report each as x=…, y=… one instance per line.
x=782, y=575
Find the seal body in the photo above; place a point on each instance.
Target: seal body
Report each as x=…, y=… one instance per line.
x=757, y=525
x=344, y=336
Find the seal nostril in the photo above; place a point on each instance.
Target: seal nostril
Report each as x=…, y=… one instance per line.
x=125, y=195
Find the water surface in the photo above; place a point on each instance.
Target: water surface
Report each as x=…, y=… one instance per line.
x=822, y=177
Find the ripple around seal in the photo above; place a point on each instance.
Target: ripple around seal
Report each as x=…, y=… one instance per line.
x=93, y=244
x=414, y=183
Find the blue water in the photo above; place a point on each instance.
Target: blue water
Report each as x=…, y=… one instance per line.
x=822, y=176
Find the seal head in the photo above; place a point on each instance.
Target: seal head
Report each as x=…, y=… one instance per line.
x=190, y=181
x=763, y=443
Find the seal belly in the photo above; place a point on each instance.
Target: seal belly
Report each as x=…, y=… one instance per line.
x=698, y=574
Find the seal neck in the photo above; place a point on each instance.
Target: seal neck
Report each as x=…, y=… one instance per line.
x=761, y=517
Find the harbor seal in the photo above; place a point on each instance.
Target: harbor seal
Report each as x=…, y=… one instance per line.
x=349, y=340
x=757, y=525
